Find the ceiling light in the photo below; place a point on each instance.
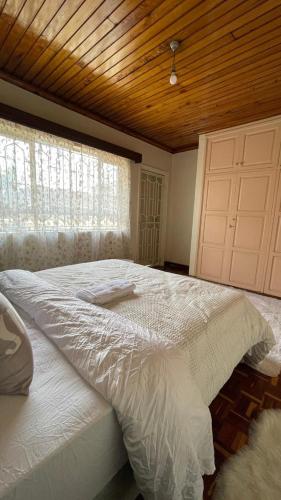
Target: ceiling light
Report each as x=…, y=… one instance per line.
x=174, y=45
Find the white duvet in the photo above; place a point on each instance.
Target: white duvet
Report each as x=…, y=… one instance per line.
x=147, y=377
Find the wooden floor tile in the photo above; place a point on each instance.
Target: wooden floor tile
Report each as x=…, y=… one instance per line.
x=243, y=397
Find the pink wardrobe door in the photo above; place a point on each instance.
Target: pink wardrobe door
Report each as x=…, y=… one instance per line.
x=252, y=229
x=273, y=277
x=215, y=226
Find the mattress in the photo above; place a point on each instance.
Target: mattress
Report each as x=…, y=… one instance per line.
x=61, y=442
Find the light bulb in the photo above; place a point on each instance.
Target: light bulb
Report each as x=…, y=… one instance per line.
x=173, y=78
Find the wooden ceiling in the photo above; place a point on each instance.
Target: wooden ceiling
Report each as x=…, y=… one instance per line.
x=110, y=59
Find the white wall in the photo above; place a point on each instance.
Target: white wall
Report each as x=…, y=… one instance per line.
x=180, y=207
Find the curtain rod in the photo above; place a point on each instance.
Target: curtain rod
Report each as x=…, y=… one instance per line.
x=35, y=122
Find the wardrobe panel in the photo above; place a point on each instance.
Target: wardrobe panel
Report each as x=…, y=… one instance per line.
x=212, y=263
x=253, y=192
x=252, y=228
x=218, y=193
x=260, y=147
x=215, y=227
x=249, y=232
x=221, y=153
x=275, y=276
x=244, y=269
x=277, y=246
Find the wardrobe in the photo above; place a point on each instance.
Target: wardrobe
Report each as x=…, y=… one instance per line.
x=237, y=220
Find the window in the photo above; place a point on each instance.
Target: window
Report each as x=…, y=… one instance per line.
x=60, y=202
x=50, y=184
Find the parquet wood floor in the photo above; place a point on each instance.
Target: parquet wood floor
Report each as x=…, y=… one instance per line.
x=242, y=398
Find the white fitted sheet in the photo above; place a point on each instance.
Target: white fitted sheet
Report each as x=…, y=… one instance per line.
x=61, y=442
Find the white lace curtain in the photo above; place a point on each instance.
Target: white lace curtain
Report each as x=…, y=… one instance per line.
x=60, y=202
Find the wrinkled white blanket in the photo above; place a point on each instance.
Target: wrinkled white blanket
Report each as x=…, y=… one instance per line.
x=148, y=357
x=214, y=325
x=167, y=428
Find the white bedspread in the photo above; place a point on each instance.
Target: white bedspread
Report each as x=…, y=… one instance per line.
x=166, y=426
x=215, y=325
x=148, y=374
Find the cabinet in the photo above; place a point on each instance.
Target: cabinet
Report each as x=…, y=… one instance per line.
x=240, y=225
x=273, y=278
x=257, y=147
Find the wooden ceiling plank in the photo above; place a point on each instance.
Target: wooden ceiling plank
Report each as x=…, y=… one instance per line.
x=163, y=18
x=9, y=14
x=185, y=67
x=70, y=35
x=191, y=114
x=165, y=110
x=152, y=60
x=248, y=92
x=153, y=9
x=195, y=82
x=225, y=67
x=170, y=137
x=2, y=6
x=64, y=58
x=35, y=30
x=228, y=88
x=112, y=73
x=91, y=32
x=192, y=63
x=23, y=22
x=212, y=34
x=43, y=40
x=68, y=28
x=176, y=140
x=119, y=66
x=74, y=61
x=124, y=10
x=244, y=114
x=256, y=23
x=109, y=102
x=118, y=33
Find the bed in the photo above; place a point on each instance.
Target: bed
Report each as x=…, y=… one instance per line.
x=63, y=440
x=65, y=436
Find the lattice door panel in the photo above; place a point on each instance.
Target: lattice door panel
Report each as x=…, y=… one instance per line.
x=151, y=197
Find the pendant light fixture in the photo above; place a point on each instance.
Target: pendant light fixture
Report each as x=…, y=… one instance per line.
x=174, y=45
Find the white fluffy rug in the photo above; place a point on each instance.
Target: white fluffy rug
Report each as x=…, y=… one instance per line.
x=271, y=310
x=254, y=473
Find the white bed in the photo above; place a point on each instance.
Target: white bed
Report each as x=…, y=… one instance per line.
x=63, y=441
x=64, y=436
x=160, y=303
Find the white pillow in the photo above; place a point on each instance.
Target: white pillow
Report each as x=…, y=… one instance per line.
x=16, y=360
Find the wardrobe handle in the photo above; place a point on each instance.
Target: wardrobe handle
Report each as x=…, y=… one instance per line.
x=230, y=225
